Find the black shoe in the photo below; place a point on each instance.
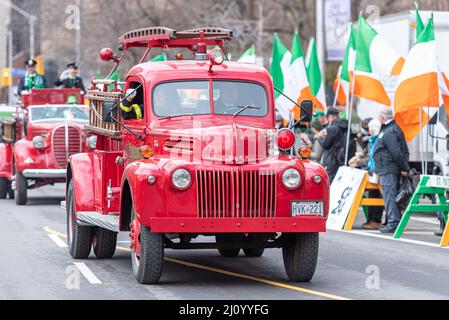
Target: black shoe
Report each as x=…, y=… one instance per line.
x=441, y=231
x=387, y=229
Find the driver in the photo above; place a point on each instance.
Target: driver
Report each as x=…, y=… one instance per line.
x=228, y=101
x=129, y=108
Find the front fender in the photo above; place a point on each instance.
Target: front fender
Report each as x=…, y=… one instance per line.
x=6, y=163
x=148, y=200
x=26, y=156
x=80, y=170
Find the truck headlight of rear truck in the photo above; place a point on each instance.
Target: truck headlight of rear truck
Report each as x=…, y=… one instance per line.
x=291, y=179
x=181, y=179
x=39, y=142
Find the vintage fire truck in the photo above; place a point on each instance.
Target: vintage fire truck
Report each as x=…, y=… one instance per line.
x=200, y=162
x=46, y=129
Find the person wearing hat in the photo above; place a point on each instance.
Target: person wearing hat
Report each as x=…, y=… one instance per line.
x=69, y=79
x=319, y=121
x=32, y=79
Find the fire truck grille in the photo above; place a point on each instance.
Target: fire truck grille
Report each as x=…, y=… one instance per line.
x=64, y=145
x=236, y=194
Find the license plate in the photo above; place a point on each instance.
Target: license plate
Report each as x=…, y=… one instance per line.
x=307, y=208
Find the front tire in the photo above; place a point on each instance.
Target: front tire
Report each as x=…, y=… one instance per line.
x=147, y=253
x=300, y=253
x=229, y=239
x=104, y=243
x=254, y=252
x=4, y=184
x=21, y=192
x=79, y=238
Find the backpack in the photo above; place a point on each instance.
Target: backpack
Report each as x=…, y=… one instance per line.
x=340, y=147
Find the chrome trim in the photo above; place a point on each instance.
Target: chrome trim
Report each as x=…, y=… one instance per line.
x=45, y=173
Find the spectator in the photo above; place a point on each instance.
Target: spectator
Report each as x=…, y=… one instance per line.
x=391, y=157
x=333, y=141
x=318, y=123
x=366, y=161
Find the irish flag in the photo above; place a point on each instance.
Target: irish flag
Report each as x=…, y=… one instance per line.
x=314, y=76
x=280, y=67
x=347, y=68
x=375, y=59
x=418, y=87
x=249, y=56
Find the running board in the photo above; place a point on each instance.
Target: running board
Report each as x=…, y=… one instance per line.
x=109, y=222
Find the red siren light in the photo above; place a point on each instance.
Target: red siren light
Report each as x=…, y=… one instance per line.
x=107, y=55
x=285, y=139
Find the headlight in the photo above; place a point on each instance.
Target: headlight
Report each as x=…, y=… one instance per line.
x=39, y=142
x=92, y=142
x=291, y=179
x=181, y=179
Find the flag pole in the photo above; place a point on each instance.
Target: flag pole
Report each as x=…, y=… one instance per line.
x=349, y=115
x=338, y=86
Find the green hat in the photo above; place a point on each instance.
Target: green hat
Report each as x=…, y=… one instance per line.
x=72, y=100
x=319, y=113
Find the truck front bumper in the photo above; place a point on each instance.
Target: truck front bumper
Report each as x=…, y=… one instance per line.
x=243, y=225
x=45, y=173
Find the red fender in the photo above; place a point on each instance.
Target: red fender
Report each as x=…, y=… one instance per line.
x=80, y=170
x=148, y=200
x=26, y=156
x=6, y=163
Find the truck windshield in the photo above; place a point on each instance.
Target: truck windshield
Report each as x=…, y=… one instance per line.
x=53, y=113
x=193, y=98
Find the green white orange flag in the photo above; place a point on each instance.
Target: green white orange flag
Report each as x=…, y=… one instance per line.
x=297, y=88
x=280, y=66
x=375, y=60
x=249, y=56
x=419, y=23
x=418, y=96
x=315, y=77
x=347, y=69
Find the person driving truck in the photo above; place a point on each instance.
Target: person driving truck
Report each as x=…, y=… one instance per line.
x=131, y=108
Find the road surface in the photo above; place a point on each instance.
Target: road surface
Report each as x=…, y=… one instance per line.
x=35, y=264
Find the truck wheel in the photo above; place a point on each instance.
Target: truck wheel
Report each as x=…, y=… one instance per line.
x=147, y=253
x=21, y=192
x=254, y=253
x=3, y=188
x=300, y=252
x=10, y=192
x=227, y=239
x=79, y=238
x=104, y=243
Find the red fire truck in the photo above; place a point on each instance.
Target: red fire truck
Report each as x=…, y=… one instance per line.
x=44, y=132
x=201, y=162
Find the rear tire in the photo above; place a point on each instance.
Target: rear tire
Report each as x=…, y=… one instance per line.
x=104, y=243
x=21, y=192
x=148, y=263
x=79, y=238
x=300, y=253
x=254, y=252
x=229, y=239
x=4, y=184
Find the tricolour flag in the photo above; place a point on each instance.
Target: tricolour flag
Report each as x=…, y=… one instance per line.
x=347, y=69
x=297, y=88
x=375, y=60
x=418, y=87
x=315, y=77
x=161, y=57
x=280, y=65
x=249, y=56
x=419, y=23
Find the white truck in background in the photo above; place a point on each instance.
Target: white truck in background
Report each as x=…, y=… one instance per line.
x=399, y=30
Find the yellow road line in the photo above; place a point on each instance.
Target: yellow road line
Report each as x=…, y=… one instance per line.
x=232, y=274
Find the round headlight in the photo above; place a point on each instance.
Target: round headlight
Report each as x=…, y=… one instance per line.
x=181, y=179
x=92, y=142
x=39, y=142
x=291, y=179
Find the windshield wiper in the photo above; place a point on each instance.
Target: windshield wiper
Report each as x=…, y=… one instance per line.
x=244, y=108
x=177, y=116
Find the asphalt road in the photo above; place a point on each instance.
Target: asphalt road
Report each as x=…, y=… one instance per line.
x=35, y=264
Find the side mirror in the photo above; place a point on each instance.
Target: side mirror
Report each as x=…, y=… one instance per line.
x=107, y=108
x=306, y=111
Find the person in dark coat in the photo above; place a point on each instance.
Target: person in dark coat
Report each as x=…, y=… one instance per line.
x=32, y=79
x=391, y=157
x=332, y=141
x=70, y=80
